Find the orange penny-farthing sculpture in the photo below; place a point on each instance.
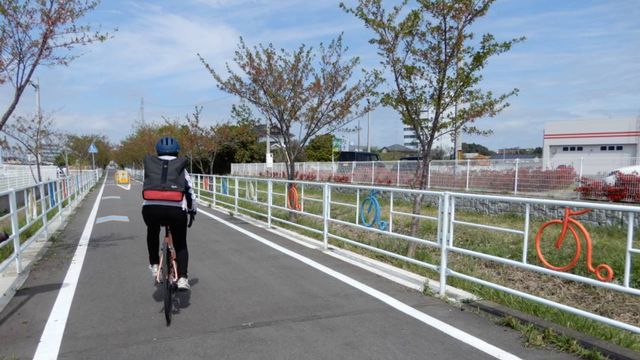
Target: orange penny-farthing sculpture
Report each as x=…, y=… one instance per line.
x=292, y=197
x=603, y=271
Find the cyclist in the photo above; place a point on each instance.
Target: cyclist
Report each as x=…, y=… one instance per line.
x=160, y=209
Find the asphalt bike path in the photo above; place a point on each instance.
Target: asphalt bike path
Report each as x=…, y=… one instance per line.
x=254, y=295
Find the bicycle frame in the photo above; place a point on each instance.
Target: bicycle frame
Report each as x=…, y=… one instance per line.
x=168, y=241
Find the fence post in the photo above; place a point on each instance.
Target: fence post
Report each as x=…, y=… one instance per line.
x=581, y=162
x=26, y=205
x=214, y=190
x=235, y=198
x=59, y=196
x=444, y=245
x=467, y=186
x=326, y=206
x=391, y=212
x=353, y=170
x=200, y=184
x=429, y=176
x=527, y=216
x=627, y=260
x=317, y=171
x=515, y=185
x=357, y=206
x=15, y=228
x=269, y=201
x=43, y=204
x=302, y=197
x=398, y=174
x=373, y=173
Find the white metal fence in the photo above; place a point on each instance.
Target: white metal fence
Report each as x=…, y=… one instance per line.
x=515, y=176
x=19, y=176
x=26, y=208
x=342, y=212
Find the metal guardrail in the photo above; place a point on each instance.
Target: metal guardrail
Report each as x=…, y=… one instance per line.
x=260, y=197
x=39, y=205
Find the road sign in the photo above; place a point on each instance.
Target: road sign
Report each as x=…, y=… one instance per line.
x=93, y=149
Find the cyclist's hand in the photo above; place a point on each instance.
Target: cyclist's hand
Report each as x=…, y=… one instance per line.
x=192, y=216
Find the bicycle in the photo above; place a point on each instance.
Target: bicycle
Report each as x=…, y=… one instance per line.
x=568, y=223
x=374, y=205
x=168, y=273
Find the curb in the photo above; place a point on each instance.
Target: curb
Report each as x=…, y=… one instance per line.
x=589, y=342
x=9, y=288
x=21, y=278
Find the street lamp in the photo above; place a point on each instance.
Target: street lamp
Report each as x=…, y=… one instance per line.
x=36, y=86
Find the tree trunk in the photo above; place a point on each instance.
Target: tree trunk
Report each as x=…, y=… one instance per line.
x=14, y=103
x=422, y=172
x=38, y=167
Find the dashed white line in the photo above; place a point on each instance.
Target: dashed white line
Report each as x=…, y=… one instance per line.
x=439, y=325
x=51, y=338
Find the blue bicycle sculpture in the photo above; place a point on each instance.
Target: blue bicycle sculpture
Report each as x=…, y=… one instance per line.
x=224, y=187
x=370, y=211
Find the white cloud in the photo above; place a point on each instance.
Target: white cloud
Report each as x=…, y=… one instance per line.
x=159, y=45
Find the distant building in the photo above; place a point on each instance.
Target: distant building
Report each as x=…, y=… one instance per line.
x=444, y=142
x=591, y=146
x=398, y=149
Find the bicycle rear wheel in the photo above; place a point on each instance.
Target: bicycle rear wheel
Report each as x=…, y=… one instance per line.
x=166, y=275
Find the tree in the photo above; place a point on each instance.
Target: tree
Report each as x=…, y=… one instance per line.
x=30, y=136
x=293, y=91
x=39, y=32
x=476, y=148
x=435, y=69
x=78, y=147
x=320, y=148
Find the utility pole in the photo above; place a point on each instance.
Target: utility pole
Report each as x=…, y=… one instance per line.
x=368, y=128
x=142, y=110
x=358, y=147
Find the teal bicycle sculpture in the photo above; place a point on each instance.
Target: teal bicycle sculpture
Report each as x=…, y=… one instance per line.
x=370, y=211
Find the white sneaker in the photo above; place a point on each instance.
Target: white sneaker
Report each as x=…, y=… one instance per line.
x=154, y=270
x=183, y=284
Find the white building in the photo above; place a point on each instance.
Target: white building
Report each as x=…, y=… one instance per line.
x=443, y=142
x=592, y=146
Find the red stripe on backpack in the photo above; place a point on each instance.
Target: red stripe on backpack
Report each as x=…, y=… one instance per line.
x=162, y=195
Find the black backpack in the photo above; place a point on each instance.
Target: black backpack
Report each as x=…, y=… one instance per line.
x=163, y=179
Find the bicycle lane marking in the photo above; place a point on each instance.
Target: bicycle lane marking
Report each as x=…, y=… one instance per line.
x=439, y=325
x=51, y=338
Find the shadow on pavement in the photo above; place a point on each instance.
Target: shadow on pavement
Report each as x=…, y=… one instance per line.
x=28, y=293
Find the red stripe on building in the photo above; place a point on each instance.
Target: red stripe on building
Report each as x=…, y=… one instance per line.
x=598, y=133
x=592, y=135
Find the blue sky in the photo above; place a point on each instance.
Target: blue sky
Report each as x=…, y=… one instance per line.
x=581, y=60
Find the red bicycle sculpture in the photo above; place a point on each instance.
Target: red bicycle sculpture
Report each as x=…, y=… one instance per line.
x=568, y=223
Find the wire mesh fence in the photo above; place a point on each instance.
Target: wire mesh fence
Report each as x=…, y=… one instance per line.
x=584, y=178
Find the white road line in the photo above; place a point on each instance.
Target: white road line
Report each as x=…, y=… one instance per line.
x=51, y=338
x=396, y=304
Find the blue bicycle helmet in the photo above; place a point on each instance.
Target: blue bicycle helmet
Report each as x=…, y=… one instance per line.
x=167, y=146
